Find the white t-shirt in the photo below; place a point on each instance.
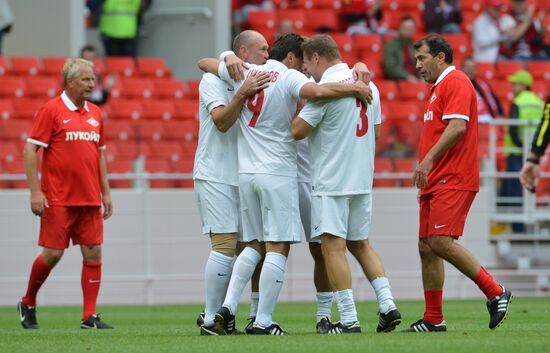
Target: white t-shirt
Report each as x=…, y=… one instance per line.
x=265, y=143
x=304, y=167
x=216, y=156
x=341, y=146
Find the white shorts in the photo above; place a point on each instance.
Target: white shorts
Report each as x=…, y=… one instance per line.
x=304, y=191
x=218, y=206
x=269, y=208
x=348, y=217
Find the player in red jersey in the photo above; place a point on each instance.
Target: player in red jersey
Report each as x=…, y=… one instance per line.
x=448, y=179
x=73, y=187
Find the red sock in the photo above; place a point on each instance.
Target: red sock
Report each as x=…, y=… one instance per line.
x=39, y=272
x=434, y=306
x=91, y=279
x=487, y=284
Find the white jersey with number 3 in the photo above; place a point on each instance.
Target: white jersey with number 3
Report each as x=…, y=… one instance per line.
x=342, y=145
x=265, y=143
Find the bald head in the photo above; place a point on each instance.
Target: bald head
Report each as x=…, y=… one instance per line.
x=251, y=47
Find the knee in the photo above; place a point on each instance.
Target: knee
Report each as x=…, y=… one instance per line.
x=424, y=249
x=316, y=251
x=91, y=253
x=331, y=244
x=440, y=245
x=52, y=256
x=358, y=247
x=225, y=244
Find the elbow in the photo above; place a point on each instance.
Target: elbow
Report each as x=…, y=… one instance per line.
x=460, y=130
x=201, y=64
x=221, y=127
x=296, y=133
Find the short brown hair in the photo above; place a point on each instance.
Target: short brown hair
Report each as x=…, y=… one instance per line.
x=323, y=45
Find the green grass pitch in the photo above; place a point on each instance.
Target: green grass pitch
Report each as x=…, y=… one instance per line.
x=171, y=328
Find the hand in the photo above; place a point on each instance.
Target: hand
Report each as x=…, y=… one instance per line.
x=364, y=92
x=236, y=67
x=38, y=202
x=107, y=206
x=420, y=175
x=361, y=73
x=529, y=176
x=254, y=84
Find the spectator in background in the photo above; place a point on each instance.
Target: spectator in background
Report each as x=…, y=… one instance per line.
x=362, y=17
x=487, y=33
x=488, y=105
x=6, y=20
x=118, y=25
x=398, y=53
x=525, y=33
x=285, y=27
x=442, y=16
x=100, y=92
x=526, y=106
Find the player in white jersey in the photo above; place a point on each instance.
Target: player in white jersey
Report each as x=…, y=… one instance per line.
x=268, y=174
x=342, y=146
x=215, y=171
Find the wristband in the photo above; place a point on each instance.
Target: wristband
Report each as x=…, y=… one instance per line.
x=533, y=160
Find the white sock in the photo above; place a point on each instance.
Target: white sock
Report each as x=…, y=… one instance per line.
x=254, y=298
x=216, y=278
x=324, y=305
x=382, y=289
x=271, y=282
x=242, y=272
x=346, y=306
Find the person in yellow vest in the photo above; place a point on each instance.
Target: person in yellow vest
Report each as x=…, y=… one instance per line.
x=118, y=25
x=526, y=106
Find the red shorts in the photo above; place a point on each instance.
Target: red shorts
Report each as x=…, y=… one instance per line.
x=444, y=211
x=59, y=224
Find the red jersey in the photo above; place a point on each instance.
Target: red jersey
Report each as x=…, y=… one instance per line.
x=71, y=138
x=451, y=97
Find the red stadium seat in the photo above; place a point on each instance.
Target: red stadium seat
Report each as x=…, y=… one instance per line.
x=403, y=111
x=26, y=108
x=411, y=91
x=182, y=130
x=11, y=150
x=260, y=20
x=53, y=65
x=170, y=150
x=345, y=44
x=322, y=21
x=485, y=70
x=122, y=66
x=156, y=109
x=16, y=166
x=25, y=65
x=184, y=166
x=189, y=149
x=11, y=86
x=127, y=149
x=506, y=68
x=388, y=89
x=125, y=109
x=405, y=165
x=15, y=130
x=383, y=165
x=298, y=18
x=539, y=69
x=503, y=90
x=3, y=66
x=192, y=91
x=460, y=43
x=153, y=67
x=369, y=45
x=468, y=19
x=132, y=87
x=159, y=165
x=7, y=110
x=119, y=166
x=43, y=86
x=186, y=109
x=169, y=88
x=119, y=130
x=150, y=130
x=540, y=89
x=473, y=5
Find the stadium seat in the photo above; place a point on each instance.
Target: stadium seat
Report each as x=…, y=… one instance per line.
x=388, y=89
x=25, y=65
x=157, y=109
x=186, y=109
x=539, y=69
x=540, y=89
x=473, y=5
x=181, y=130
x=189, y=149
x=384, y=166
x=170, y=150
x=132, y=87
x=11, y=150
x=369, y=46
x=411, y=91
x=345, y=44
x=125, y=109
x=184, y=166
x=169, y=88
x=119, y=130
x=159, y=165
x=328, y=5
x=192, y=91
x=460, y=43
x=321, y=21
x=468, y=19
x=126, y=149
x=26, y=108
x=119, y=166
x=503, y=90
x=53, y=65
x=150, y=130
x=122, y=66
x=298, y=17
x=14, y=130
x=6, y=109
x=506, y=68
x=12, y=86
x=153, y=67
x=43, y=86
x=405, y=165
x=485, y=70
x=260, y=20
x=16, y=166
x=3, y=66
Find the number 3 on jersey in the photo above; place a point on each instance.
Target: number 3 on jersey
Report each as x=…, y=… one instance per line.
x=255, y=104
x=363, y=125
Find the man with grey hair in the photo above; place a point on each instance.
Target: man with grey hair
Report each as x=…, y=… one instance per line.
x=74, y=185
